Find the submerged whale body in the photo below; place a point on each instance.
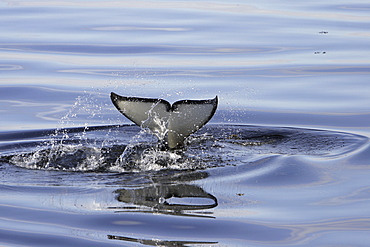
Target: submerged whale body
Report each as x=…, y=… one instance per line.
x=172, y=124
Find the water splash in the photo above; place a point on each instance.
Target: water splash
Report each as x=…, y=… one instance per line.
x=61, y=157
x=161, y=129
x=98, y=148
x=102, y=149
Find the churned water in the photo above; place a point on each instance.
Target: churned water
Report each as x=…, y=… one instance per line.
x=284, y=161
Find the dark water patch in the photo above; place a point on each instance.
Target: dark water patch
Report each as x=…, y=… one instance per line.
x=290, y=141
x=354, y=8
x=349, y=69
x=86, y=48
x=114, y=49
x=10, y=67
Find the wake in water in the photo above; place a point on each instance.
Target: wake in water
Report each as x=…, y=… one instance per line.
x=127, y=148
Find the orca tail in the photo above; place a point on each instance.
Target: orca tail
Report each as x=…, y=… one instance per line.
x=172, y=124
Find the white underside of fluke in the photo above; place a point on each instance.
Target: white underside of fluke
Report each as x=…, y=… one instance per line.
x=170, y=123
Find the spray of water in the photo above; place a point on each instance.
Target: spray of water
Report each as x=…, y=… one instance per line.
x=108, y=149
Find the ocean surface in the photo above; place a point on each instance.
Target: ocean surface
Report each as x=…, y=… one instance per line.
x=285, y=161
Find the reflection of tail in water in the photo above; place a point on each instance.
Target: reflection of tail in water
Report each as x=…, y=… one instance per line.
x=171, y=199
x=156, y=242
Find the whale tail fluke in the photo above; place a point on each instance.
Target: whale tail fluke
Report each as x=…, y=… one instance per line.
x=170, y=123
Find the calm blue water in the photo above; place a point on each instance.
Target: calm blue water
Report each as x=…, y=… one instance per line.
x=284, y=161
